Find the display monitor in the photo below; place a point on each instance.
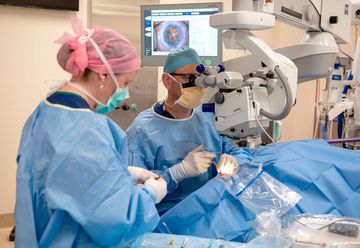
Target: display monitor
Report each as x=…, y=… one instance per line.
x=167, y=27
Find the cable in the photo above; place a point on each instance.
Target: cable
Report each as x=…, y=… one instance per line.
x=295, y=219
x=356, y=33
x=289, y=97
x=267, y=134
x=324, y=128
x=317, y=108
x=348, y=220
x=346, y=54
x=316, y=126
x=344, y=219
x=338, y=59
x=330, y=129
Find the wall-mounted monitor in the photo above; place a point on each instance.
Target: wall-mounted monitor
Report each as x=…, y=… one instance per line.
x=46, y=4
x=167, y=27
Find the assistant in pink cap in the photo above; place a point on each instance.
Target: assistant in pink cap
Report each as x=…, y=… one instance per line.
x=75, y=187
x=101, y=62
x=77, y=54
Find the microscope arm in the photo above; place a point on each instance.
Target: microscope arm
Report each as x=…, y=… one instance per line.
x=282, y=66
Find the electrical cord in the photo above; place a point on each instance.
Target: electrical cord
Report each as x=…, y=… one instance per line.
x=261, y=126
x=346, y=54
x=340, y=220
x=327, y=225
x=289, y=97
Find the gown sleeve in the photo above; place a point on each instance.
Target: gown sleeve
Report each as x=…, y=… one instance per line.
x=242, y=155
x=90, y=181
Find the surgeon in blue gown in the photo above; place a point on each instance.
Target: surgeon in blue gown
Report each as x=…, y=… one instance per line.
x=74, y=188
x=176, y=139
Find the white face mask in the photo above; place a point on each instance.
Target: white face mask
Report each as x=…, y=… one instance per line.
x=190, y=98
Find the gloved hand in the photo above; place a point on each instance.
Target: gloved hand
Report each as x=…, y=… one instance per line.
x=194, y=164
x=141, y=174
x=158, y=187
x=227, y=166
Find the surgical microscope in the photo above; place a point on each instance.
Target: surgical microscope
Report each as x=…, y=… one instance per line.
x=258, y=88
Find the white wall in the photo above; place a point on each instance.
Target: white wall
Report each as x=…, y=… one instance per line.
x=28, y=58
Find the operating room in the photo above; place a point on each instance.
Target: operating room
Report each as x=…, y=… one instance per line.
x=195, y=123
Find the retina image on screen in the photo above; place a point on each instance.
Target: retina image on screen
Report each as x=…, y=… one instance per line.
x=166, y=28
x=170, y=35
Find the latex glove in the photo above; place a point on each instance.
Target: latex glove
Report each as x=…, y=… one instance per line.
x=227, y=166
x=141, y=174
x=158, y=187
x=194, y=164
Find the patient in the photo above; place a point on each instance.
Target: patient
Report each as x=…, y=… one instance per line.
x=326, y=177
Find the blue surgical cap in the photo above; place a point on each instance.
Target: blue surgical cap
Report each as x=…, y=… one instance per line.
x=180, y=58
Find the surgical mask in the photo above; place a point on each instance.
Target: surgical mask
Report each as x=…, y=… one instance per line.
x=120, y=94
x=191, y=97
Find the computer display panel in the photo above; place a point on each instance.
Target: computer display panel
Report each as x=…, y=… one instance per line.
x=165, y=28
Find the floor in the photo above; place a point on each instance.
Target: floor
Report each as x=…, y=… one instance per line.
x=4, y=242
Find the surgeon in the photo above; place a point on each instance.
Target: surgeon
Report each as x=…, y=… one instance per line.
x=176, y=139
x=74, y=188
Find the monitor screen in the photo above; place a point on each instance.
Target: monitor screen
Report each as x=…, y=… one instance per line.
x=46, y=4
x=165, y=28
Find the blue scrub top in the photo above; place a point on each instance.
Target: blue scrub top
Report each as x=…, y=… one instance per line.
x=159, y=109
x=69, y=99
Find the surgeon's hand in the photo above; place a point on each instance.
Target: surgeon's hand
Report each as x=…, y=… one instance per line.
x=227, y=166
x=141, y=174
x=194, y=164
x=158, y=187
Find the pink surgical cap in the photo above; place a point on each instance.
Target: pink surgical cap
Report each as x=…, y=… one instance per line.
x=77, y=53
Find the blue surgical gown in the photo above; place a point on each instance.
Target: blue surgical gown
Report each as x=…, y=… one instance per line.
x=157, y=143
x=73, y=186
